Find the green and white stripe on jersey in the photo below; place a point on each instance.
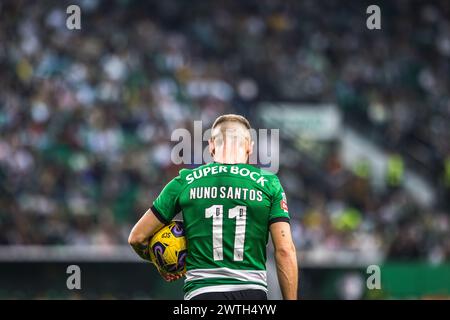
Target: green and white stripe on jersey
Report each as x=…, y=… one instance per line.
x=200, y=281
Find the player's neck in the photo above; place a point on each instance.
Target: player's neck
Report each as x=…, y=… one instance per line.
x=229, y=160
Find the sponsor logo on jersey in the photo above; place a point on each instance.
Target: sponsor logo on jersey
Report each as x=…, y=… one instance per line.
x=243, y=172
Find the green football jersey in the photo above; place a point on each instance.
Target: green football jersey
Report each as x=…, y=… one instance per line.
x=227, y=210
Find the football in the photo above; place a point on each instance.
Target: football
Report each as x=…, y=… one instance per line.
x=168, y=248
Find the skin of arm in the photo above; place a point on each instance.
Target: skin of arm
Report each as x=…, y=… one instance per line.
x=140, y=236
x=285, y=258
x=142, y=232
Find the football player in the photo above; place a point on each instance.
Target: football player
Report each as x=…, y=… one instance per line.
x=229, y=207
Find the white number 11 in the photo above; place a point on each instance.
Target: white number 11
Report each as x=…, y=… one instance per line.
x=240, y=214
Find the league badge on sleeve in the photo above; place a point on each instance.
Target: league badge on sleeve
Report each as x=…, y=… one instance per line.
x=283, y=203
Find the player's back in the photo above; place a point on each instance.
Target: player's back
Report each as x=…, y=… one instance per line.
x=227, y=209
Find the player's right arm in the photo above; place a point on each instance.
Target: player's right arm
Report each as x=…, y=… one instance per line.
x=285, y=259
x=161, y=213
x=142, y=232
x=140, y=236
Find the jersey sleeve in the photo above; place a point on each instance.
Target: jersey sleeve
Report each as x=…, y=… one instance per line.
x=166, y=205
x=279, y=210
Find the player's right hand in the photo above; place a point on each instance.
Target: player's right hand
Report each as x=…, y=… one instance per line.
x=171, y=277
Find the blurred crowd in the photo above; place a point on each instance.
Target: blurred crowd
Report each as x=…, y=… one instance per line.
x=86, y=115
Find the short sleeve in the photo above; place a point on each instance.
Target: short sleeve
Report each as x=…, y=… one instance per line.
x=279, y=210
x=166, y=205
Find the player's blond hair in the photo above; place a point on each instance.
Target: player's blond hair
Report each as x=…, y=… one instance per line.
x=232, y=141
x=231, y=118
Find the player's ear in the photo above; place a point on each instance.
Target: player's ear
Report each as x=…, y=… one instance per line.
x=211, y=147
x=250, y=147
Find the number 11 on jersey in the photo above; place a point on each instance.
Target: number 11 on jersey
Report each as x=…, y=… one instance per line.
x=240, y=214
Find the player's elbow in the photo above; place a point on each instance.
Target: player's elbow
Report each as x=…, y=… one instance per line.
x=285, y=251
x=135, y=238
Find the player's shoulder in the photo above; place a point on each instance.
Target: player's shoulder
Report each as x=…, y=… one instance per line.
x=271, y=177
x=183, y=173
x=266, y=173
